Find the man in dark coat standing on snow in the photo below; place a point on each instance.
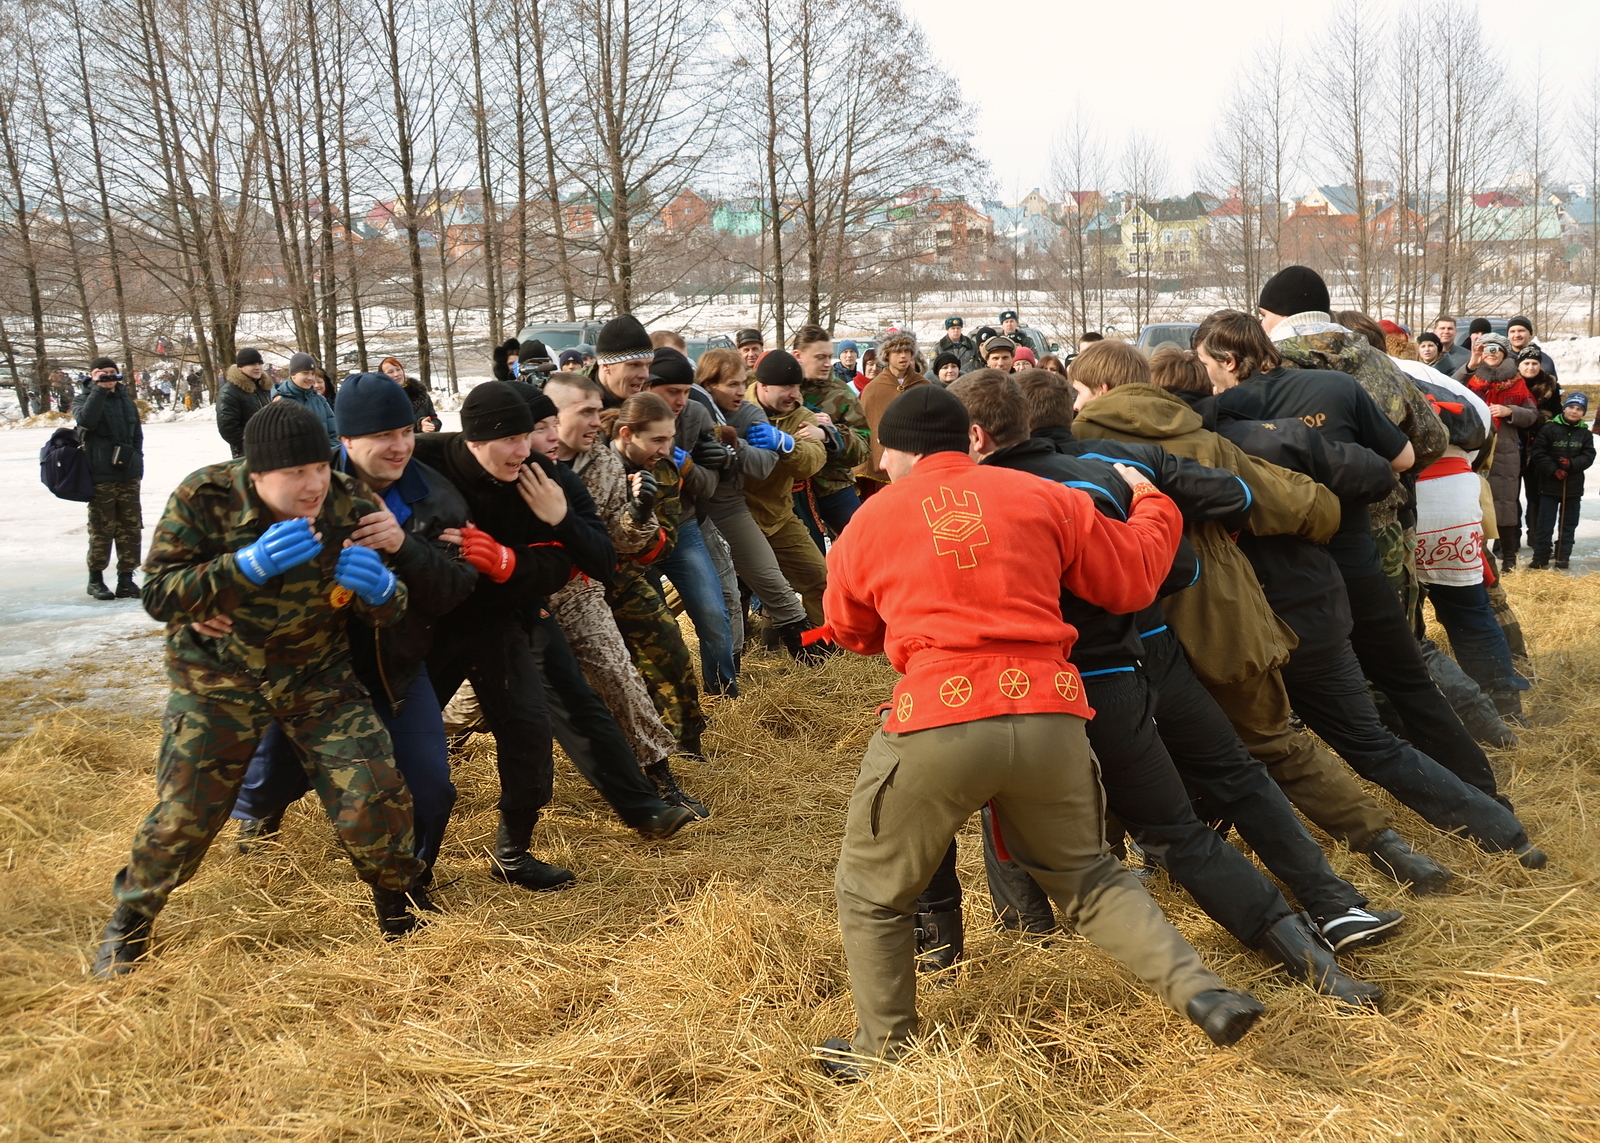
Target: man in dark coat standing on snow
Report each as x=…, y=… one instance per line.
x=113, y=443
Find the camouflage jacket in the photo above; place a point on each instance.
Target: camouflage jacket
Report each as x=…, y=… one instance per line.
x=1319, y=344
x=835, y=398
x=605, y=475
x=286, y=631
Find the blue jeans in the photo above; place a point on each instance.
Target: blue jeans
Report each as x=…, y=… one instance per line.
x=836, y=510
x=1544, y=532
x=1475, y=635
x=277, y=779
x=691, y=571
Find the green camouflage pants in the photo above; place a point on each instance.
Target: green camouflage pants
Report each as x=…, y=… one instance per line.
x=206, y=743
x=656, y=643
x=1397, y=548
x=114, y=517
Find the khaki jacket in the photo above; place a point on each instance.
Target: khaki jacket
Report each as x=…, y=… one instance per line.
x=771, y=498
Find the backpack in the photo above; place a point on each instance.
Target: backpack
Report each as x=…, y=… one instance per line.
x=1467, y=431
x=63, y=469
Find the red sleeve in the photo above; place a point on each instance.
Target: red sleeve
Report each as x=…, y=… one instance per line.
x=1117, y=566
x=855, y=622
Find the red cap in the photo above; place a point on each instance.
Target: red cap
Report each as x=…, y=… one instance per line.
x=1390, y=327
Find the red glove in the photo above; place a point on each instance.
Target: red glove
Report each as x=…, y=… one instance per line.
x=1564, y=461
x=1561, y=474
x=485, y=553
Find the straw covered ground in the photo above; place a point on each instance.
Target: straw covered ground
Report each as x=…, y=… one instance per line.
x=676, y=993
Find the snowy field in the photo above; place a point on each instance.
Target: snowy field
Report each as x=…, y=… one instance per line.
x=45, y=617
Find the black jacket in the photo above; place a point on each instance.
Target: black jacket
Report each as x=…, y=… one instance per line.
x=1558, y=441
x=110, y=432
x=1109, y=642
x=1300, y=579
x=239, y=399
x=422, y=406
x=437, y=580
x=965, y=349
x=545, y=556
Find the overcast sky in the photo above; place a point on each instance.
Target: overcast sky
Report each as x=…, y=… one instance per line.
x=1163, y=67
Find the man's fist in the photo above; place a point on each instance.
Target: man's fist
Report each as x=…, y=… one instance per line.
x=708, y=452
x=643, y=492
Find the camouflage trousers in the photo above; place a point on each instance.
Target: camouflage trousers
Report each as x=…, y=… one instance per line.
x=206, y=744
x=656, y=642
x=1397, y=549
x=591, y=630
x=115, y=517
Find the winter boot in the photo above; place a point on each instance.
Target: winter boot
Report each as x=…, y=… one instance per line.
x=1223, y=1014
x=665, y=822
x=940, y=941
x=513, y=864
x=1306, y=956
x=667, y=788
x=790, y=634
x=254, y=831
x=1539, y=562
x=126, y=588
x=840, y=1063
x=1508, y=561
x=1508, y=705
x=393, y=906
x=123, y=944
x=1562, y=565
x=1530, y=856
x=1392, y=857
x=98, y=588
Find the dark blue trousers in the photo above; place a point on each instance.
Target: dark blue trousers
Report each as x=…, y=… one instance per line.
x=1554, y=510
x=836, y=509
x=1476, y=638
x=691, y=571
x=277, y=778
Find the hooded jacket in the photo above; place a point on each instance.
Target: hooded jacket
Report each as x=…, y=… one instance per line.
x=1561, y=447
x=311, y=399
x=109, y=428
x=240, y=398
x=771, y=497
x=1313, y=341
x=1503, y=385
x=1224, y=621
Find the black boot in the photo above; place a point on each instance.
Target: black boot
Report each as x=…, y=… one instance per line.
x=940, y=941
x=790, y=634
x=1508, y=561
x=1305, y=956
x=1561, y=564
x=254, y=831
x=666, y=784
x=665, y=822
x=98, y=588
x=126, y=588
x=1392, y=857
x=513, y=864
x=1223, y=1014
x=840, y=1063
x=123, y=944
x=1531, y=857
x=393, y=906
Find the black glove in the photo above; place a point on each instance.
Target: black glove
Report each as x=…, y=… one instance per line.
x=504, y=355
x=709, y=452
x=642, y=501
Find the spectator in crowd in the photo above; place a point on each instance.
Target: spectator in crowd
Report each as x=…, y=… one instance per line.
x=946, y=368
x=301, y=388
x=1561, y=453
x=827, y=499
x=869, y=367
x=750, y=344
x=1546, y=392
x=671, y=339
x=1490, y=374
x=898, y=352
x=1023, y=360
x=1451, y=357
x=421, y=400
x=1011, y=327
x=244, y=392
x=845, y=368
x=955, y=341
x=570, y=361
x=113, y=444
x=1089, y=339
x=1519, y=332
x=999, y=352
x=1428, y=349
x=1051, y=363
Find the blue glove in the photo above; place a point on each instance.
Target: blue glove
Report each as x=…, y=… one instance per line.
x=763, y=435
x=362, y=571
x=287, y=544
x=679, y=456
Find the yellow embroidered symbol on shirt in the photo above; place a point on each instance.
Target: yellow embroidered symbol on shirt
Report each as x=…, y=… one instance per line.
x=957, y=524
x=902, y=708
x=1067, y=685
x=956, y=690
x=340, y=595
x=1014, y=684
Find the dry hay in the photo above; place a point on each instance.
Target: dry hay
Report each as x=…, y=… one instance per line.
x=676, y=993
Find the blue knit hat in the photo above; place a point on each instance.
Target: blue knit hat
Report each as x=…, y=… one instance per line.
x=1579, y=399
x=849, y=345
x=372, y=403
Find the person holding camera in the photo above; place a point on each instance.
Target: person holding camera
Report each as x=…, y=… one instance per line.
x=113, y=443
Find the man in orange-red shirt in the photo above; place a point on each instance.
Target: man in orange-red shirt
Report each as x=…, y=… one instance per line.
x=956, y=571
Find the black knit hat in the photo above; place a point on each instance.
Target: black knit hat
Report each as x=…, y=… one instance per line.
x=923, y=420
x=670, y=368
x=1480, y=325
x=248, y=357
x=539, y=403
x=301, y=362
x=1429, y=336
x=102, y=363
x=623, y=339
x=285, y=434
x=1522, y=321
x=942, y=360
x=372, y=403
x=496, y=409
x=779, y=368
x=1295, y=290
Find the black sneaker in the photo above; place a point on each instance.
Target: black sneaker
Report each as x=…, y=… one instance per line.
x=1358, y=928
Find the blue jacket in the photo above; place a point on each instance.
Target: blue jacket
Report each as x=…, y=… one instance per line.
x=312, y=400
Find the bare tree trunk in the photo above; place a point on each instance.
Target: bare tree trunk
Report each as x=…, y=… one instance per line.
x=558, y=228
x=491, y=222
x=92, y=121
x=24, y=231
x=403, y=143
